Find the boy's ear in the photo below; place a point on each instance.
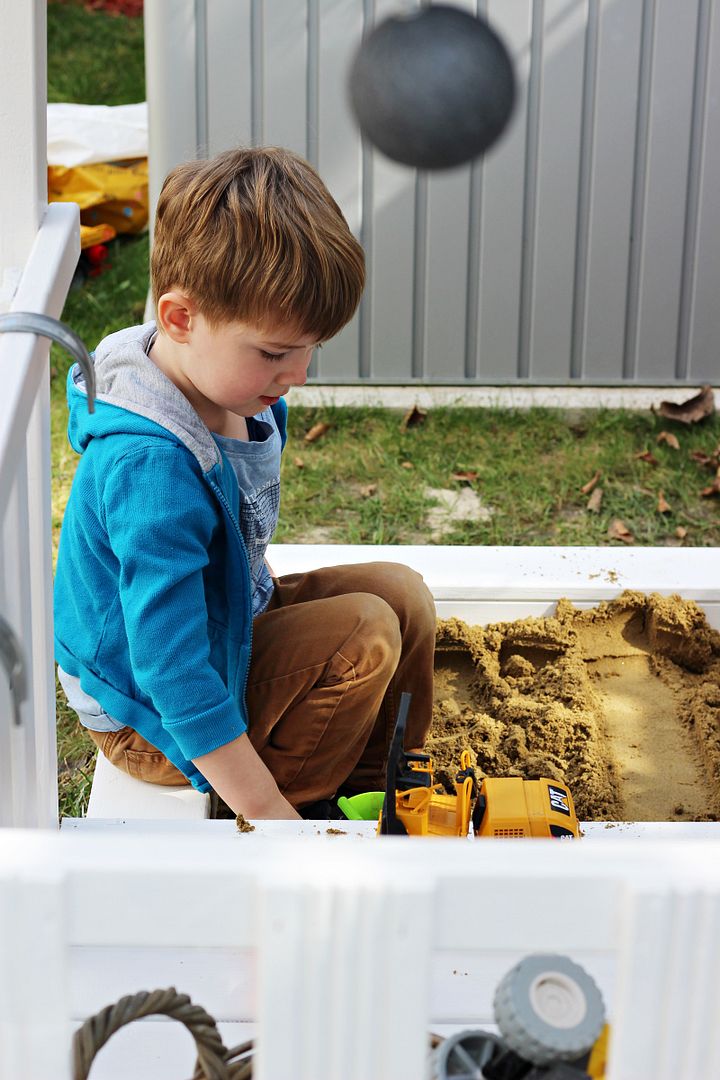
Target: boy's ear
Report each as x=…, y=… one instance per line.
x=174, y=314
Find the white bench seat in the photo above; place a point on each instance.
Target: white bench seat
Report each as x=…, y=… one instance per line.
x=116, y=795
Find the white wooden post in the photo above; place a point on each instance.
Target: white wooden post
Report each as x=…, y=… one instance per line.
x=666, y=1022
x=23, y=131
x=344, y=969
x=34, y=1030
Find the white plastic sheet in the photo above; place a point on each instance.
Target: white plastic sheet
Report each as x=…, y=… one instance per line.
x=86, y=134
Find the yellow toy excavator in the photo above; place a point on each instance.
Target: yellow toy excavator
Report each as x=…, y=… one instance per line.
x=502, y=807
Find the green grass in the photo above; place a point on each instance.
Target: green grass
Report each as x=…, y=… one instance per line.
x=94, y=58
x=76, y=760
x=530, y=468
x=530, y=465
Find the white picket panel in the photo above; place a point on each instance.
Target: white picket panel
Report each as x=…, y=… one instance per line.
x=352, y=950
x=462, y=981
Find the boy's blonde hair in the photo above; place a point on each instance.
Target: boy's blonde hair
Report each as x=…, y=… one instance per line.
x=253, y=235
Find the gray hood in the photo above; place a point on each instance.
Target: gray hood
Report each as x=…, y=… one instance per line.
x=126, y=377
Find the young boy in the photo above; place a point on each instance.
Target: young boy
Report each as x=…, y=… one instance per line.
x=180, y=653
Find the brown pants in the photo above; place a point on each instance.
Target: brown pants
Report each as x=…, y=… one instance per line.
x=331, y=656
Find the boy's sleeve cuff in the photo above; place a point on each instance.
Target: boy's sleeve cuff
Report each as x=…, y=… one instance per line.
x=204, y=732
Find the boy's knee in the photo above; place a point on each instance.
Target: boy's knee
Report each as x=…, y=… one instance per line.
x=407, y=593
x=378, y=632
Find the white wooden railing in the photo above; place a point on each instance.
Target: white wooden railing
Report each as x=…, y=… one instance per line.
x=28, y=755
x=39, y=249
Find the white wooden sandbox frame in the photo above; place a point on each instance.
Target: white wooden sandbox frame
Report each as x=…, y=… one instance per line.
x=340, y=953
x=337, y=952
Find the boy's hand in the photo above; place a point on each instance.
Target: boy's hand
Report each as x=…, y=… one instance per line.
x=243, y=780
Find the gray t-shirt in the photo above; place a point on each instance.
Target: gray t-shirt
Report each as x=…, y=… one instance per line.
x=257, y=467
x=256, y=464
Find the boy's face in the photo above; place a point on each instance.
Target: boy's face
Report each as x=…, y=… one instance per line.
x=241, y=368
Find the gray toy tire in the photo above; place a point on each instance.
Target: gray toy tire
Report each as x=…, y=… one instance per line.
x=548, y=1009
x=461, y=1056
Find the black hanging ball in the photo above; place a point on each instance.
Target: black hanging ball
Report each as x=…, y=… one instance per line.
x=432, y=89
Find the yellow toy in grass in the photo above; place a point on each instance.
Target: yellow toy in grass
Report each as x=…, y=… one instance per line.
x=113, y=198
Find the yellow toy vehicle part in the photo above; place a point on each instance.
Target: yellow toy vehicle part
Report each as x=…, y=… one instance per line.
x=427, y=811
x=512, y=807
x=504, y=807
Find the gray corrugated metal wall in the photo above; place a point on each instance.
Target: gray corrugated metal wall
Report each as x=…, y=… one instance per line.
x=584, y=249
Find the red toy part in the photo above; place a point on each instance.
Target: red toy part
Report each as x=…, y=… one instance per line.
x=96, y=254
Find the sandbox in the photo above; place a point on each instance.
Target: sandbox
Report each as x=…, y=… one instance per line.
x=598, y=666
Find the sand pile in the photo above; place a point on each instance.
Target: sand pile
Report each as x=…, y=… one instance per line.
x=621, y=702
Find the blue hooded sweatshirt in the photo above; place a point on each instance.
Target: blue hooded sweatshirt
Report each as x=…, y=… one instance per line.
x=153, y=590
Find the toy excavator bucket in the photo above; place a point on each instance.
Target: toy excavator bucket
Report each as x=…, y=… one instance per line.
x=364, y=807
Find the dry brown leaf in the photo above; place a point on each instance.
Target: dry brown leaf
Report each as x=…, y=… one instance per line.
x=618, y=530
x=299, y=463
x=464, y=477
x=587, y=488
x=662, y=505
x=595, y=500
x=368, y=490
x=649, y=458
x=711, y=460
x=317, y=431
x=691, y=411
x=412, y=417
x=714, y=488
x=406, y=465
x=681, y=532
x=669, y=438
